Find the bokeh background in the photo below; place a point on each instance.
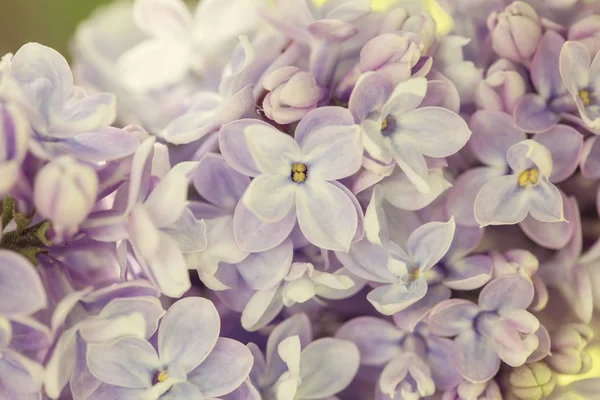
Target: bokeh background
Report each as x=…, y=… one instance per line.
x=50, y=22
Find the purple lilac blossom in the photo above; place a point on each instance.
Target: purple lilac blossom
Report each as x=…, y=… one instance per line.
x=365, y=201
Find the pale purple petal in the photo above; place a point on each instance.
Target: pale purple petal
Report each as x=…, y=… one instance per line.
x=545, y=71
x=510, y=292
x=451, y=317
x=370, y=93
x=501, y=201
x=266, y=269
x=410, y=160
x=469, y=273
x=475, y=356
x=273, y=151
x=218, y=183
x=21, y=288
x=188, y=332
x=546, y=203
x=327, y=366
x=225, y=368
x=368, y=261
x=393, y=298
x=566, y=145
x=574, y=62
x=409, y=318
x=246, y=225
x=590, y=158
x=322, y=117
x=430, y=242
x=261, y=309
x=402, y=193
x=128, y=362
x=552, y=235
x=162, y=18
x=326, y=215
x=533, y=115
x=233, y=146
x=271, y=197
x=377, y=340
x=493, y=134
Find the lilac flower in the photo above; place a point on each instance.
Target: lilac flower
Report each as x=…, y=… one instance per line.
x=154, y=218
x=401, y=270
x=65, y=192
x=128, y=309
x=502, y=87
x=394, y=352
x=297, y=368
x=532, y=381
x=178, y=42
x=296, y=178
x=292, y=94
x=191, y=361
x=540, y=112
x=581, y=77
x=508, y=199
x=65, y=119
x=395, y=130
x=474, y=391
x=516, y=32
x=21, y=295
x=569, y=353
x=585, y=31
x=14, y=136
x=497, y=329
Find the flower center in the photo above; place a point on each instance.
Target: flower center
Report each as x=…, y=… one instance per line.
x=299, y=172
x=384, y=124
x=529, y=177
x=414, y=274
x=162, y=376
x=584, y=95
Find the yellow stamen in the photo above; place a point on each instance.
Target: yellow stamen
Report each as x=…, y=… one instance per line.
x=584, y=95
x=414, y=275
x=384, y=124
x=299, y=172
x=162, y=376
x=529, y=176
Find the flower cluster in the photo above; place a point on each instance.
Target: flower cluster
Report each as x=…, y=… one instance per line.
x=363, y=204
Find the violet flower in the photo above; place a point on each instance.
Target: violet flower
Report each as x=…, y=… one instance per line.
x=498, y=328
x=191, y=360
x=14, y=137
x=295, y=178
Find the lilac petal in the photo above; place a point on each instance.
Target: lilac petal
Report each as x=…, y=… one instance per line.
x=225, y=368
x=442, y=93
x=84, y=114
x=368, y=261
x=21, y=288
x=270, y=197
x=406, y=97
x=574, y=63
x=360, y=229
x=543, y=349
x=333, y=153
x=400, y=191
x=182, y=390
x=105, y=144
x=141, y=168
x=109, y=392
x=218, y=183
x=327, y=366
x=393, y=298
x=466, y=240
x=153, y=64
x=409, y=318
x=162, y=18
x=546, y=203
x=411, y=161
x=19, y=373
x=273, y=151
x=188, y=332
x=590, y=159
x=510, y=292
x=451, y=317
x=370, y=93
x=61, y=364
x=500, y=202
x=261, y=309
x=469, y=273
x=377, y=340
x=233, y=145
x=246, y=225
x=522, y=320
x=533, y=115
x=27, y=334
x=319, y=203
x=299, y=325
x=475, y=356
x=149, y=308
x=566, y=145
x=188, y=232
x=322, y=117
x=422, y=127
x=197, y=122
x=430, y=242
x=128, y=362
x=440, y=359
x=552, y=235
x=266, y=269
x=460, y=200
x=545, y=71
x=493, y=134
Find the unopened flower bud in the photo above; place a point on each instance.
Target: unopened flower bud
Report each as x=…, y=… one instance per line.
x=293, y=93
x=516, y=32
x=587, y=32
x=569, y=355
x=64, y=192
x=502, y=87
x=423, y=25
x=391, y=54
x=532, y=381
x=14, y=135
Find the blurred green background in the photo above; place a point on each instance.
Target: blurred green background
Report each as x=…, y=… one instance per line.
x=50, y=22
